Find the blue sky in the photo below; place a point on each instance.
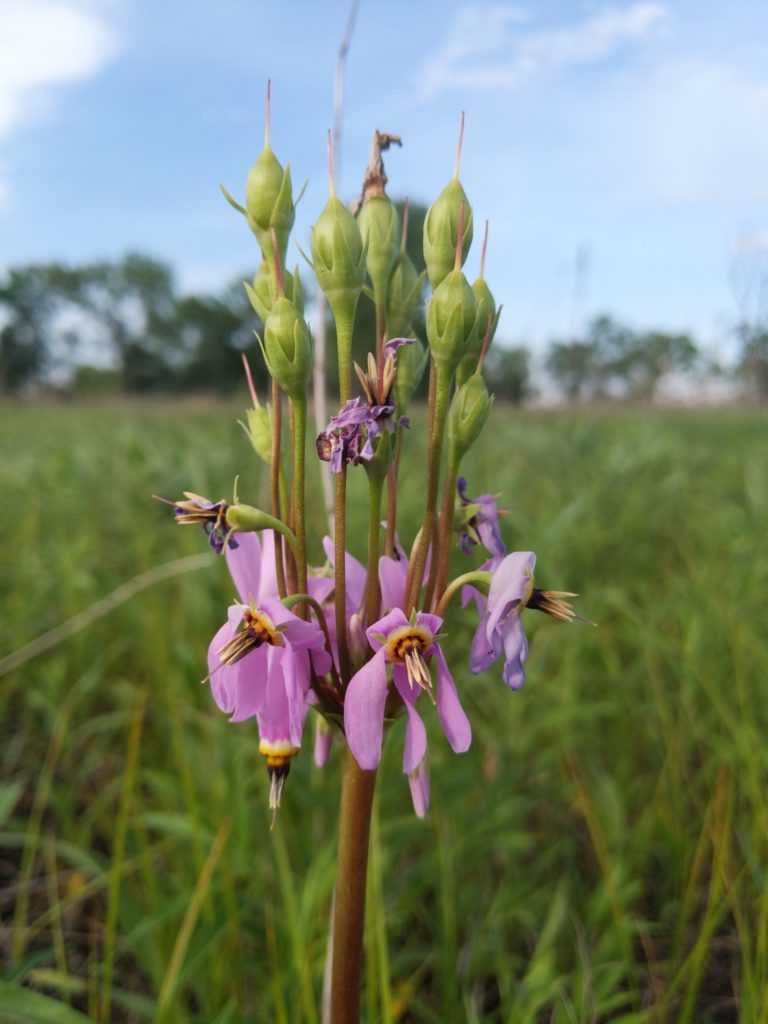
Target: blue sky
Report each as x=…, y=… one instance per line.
x=632, y=132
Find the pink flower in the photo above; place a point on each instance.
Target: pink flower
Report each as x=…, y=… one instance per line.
x=260, y=660
x=407, y=646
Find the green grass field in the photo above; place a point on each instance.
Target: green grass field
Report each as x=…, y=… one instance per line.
x=598, y=855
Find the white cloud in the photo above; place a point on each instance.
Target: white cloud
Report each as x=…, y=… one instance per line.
x=697, y=131
x=44, y=43
x=486, y=48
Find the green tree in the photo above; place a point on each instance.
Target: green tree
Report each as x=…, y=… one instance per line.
x=214, y=332
x=32, y=299
x=132, y=306
x=508, y=371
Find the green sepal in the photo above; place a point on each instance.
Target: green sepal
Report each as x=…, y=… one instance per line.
x=233, y=202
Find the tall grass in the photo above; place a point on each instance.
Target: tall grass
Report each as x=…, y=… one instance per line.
x=598, y=855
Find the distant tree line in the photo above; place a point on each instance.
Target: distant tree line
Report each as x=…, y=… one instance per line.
x=123, y=326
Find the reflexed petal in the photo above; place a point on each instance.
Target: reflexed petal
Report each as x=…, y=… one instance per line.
x=354, y=574
x=267, y=570
x=251, y=684
x=223, y=677
x=392, y=577
x=515, y=652
x=415, y=734
x=452, y=718
x=244, y=563
x=297, y=632
x=274, y=718
x=364, y=711
x=355, y=577
x=292, y=667
x=418, y=780
x=429, y=621
x=509, y=585
x=483, y=651
x=385, y=625
x=322, y=741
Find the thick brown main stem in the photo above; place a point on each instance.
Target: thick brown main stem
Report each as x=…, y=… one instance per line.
x=357, y=790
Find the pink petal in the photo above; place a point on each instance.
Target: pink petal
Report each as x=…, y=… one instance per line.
x=364, y=711
x=268, y=571
x=418, y=780
x=452, y=718
x=415, y=734
x=385, y=625
x=251, y=684
x=392, y=577
x=244, y=563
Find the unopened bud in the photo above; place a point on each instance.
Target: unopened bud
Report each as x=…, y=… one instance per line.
x=269, y=203
x=450, y=321
x=486, y=319
x=441, y=231
x=288, y=348
x=469, y=410
x=404, y=296
x=380, y=232
x=338, y=256
x=263, y=292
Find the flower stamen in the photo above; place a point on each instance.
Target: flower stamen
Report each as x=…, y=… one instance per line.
x=257, y=629
x=407, y=646
x=551, y=603
x=278, y=754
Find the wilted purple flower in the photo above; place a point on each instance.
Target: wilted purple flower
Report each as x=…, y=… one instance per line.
x=406, y=646
x=500, y=627
x=483, y=525
x=211, y=514
x=340, y=443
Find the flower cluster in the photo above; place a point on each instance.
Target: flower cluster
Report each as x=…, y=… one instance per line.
x=364, y=644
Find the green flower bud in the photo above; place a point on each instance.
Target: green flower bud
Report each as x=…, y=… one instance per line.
x=450, y=320
x=411, y=361
x=288, y=348
x=263, y=292
x=406, y=289
x=338, y=257
x=486, y=313
x=469, y=410
x=269, y=203
x=380, y=232
x=441, y=231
